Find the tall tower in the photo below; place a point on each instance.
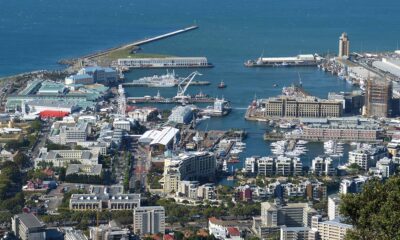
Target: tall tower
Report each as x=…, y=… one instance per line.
x=344, y=45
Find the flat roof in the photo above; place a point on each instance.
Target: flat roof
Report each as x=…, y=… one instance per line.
x=30, y=220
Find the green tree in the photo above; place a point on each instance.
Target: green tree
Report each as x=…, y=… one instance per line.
x=21, y=160
x=375, y=212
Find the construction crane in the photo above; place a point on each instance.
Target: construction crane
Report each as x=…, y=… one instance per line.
x=183, y=85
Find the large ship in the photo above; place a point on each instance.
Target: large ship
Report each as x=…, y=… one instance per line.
x=299, y=60
x=167, y=80
x=221, y=108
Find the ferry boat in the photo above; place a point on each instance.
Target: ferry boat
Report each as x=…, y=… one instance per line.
x=299, y=60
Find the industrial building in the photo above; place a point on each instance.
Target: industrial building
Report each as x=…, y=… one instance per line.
x=294, y=107
x=168, y=62
x=160, y=140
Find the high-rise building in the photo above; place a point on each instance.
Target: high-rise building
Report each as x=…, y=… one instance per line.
x=378, y=97
x=149, y=220
x=344, y=45
x=333, y=206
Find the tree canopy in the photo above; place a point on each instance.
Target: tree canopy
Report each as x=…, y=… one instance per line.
x=375, y=212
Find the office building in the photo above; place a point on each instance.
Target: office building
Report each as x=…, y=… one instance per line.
x=27, y=226
x=149, y=220
x=344, y=45
x=378, y=97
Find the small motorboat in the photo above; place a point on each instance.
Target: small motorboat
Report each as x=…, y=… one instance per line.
x=222, y=84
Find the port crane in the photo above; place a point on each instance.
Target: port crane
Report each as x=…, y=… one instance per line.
x=183, y=85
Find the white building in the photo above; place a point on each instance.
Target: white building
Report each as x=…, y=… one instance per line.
x=61, y=158
x=187, y=166
x=223, y=230
x=330, y=230
x=366, y=157
x=322, y=166
x=149, y=220
x=122, y=124
x=181, y=114
x=250, y=165
x=353, y=185
x=333, y=206
x=79, y=79
x=143, y=114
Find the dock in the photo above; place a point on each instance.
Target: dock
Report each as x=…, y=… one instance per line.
x=140, y=42
x=148, y=99
x=193, y=83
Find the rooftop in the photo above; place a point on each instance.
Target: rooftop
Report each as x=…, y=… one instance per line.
x=30, y=220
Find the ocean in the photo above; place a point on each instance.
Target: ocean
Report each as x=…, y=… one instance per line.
x=35, y=34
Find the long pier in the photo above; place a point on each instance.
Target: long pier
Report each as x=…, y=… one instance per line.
x=193, y=83
x=141, y=42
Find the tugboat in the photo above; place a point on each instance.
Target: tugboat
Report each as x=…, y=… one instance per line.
x=222, y=85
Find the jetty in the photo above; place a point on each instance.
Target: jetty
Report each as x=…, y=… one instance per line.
x=140, y=42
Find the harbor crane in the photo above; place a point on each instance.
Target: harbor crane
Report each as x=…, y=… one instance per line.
x=183, y=85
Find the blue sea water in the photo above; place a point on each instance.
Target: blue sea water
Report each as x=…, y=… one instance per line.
x=34, y=34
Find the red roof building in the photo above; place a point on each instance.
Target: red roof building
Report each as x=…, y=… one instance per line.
x=53, y=114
